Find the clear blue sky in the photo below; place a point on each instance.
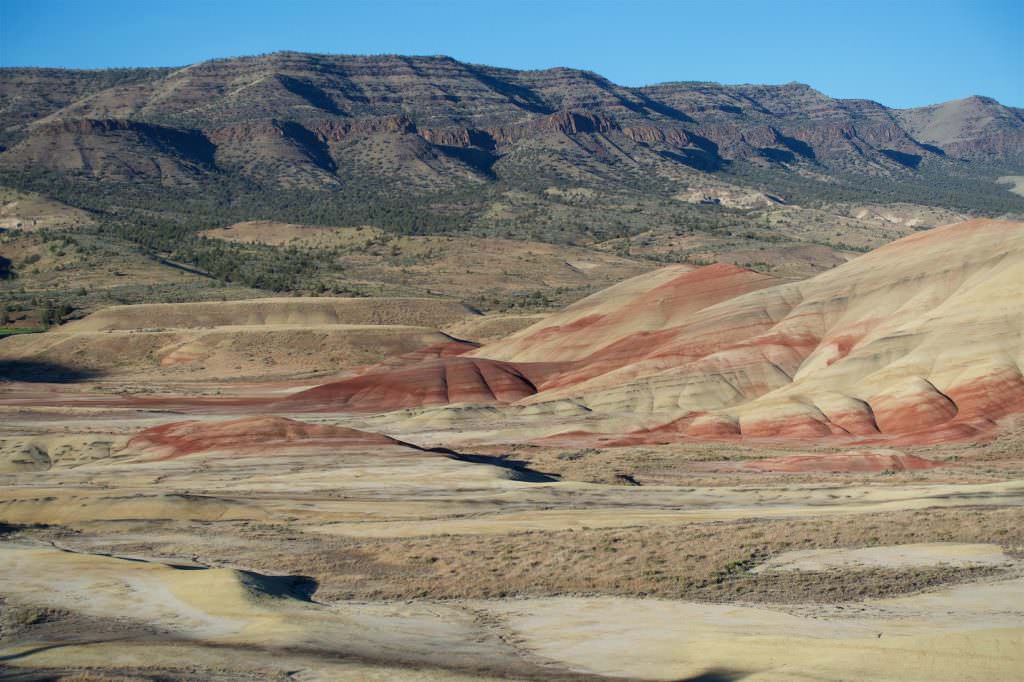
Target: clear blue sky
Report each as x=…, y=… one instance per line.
x=900, y=53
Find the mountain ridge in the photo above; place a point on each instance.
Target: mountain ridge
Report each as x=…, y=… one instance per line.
x=105, y=70
x=431, y=145
x=304, y=86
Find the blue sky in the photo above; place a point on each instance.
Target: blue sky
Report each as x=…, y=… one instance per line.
x=900, y=53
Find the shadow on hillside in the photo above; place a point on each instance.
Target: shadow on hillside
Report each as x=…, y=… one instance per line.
x=34, y=371
x=902, y=158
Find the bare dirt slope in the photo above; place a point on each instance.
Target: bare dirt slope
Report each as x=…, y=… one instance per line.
x=493, y=327
x=279, y=311
x=639, y=306
x=1015, y=182
x=253, y=339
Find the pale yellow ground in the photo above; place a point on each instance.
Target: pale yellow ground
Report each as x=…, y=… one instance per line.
x=911, y=555
x=30, y=211
x=972, y=632
x=229, y=609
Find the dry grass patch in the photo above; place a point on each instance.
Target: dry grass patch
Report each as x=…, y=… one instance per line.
x=694, y=561
x=697, y=561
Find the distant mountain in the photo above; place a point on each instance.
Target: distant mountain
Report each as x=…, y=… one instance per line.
x=972, y=128
x=373, y=127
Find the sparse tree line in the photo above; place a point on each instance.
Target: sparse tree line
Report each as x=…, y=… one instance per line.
x=165, y=222
x=974, y=192
x=51, y=311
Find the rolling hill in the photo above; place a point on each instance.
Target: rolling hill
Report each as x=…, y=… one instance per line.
x=918, y=340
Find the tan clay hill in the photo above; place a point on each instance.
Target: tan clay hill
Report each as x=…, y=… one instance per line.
x=551, y=348
x=274, y=311
x=920, y=339
x=230, y=340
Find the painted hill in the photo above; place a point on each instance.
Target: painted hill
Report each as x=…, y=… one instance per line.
x=921, y=339
x=443, y=381
x=640, y=307
x=249, y=436
x=256, y=338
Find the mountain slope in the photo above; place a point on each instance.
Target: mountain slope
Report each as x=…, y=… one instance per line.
x=976, y=127
x=117, y=150
x=291, y=119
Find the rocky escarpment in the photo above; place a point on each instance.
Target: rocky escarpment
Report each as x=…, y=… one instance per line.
x=296, y=119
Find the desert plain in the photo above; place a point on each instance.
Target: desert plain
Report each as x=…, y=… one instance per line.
x=698, y=473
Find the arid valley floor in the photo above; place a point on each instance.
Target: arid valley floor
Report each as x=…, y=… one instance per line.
x=700, y=473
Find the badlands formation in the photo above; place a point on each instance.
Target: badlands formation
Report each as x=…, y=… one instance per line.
x=699, y=473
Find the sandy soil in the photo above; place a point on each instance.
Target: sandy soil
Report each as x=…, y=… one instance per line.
x=920, y=554
x=965, y=632
x=909, y=638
